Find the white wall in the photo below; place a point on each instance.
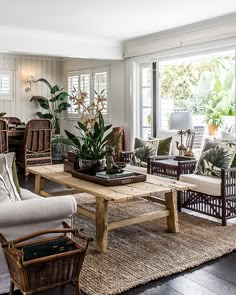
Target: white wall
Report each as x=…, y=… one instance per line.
x=46, y=67
x=117, y=87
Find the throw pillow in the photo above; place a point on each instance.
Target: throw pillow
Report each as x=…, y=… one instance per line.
x=216, y=155
x=232, y=143
x=142, y=150
x=8, y=190
x=165, y=146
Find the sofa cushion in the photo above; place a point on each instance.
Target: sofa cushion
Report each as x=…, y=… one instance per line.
x=164, y=146
x=205, y=184
x=142, y=150
x=216, y=155
x=8, y=191
x=136, y=169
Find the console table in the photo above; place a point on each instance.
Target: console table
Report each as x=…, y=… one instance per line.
x=153, y=187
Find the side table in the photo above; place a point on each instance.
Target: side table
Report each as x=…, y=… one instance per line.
x=171, y=168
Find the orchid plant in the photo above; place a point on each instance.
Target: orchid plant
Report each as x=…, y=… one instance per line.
x=89, y=111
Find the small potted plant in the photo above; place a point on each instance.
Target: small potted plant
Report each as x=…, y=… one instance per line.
x=214, y=120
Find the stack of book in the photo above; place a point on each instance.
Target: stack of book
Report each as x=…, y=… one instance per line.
x=123, y=174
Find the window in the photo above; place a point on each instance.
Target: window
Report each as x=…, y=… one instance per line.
x=201, y=84
x=7, y=85
x=89, y=81
x=145, y=101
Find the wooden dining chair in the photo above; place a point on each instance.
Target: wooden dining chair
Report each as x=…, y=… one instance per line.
x=37, y=143
x=12, y=120
x=3, y=136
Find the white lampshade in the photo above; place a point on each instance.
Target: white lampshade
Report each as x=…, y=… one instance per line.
x=181, y=120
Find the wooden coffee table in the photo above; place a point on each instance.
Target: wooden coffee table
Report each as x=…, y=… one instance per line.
x=153, y=187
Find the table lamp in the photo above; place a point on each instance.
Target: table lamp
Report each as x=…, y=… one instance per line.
x=182, y=121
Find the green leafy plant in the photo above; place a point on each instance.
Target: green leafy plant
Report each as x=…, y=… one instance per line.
x=91, y=143
x=214, y=117
x=53, y=105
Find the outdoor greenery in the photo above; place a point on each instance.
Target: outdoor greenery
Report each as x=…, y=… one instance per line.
x=53, y=105
x=203, y=88
x=91, y=143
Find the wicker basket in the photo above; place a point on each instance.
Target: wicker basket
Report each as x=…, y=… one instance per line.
x=48, y=263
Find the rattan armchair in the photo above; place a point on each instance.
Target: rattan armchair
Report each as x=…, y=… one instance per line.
x=37, y=144
x=215, y=197
x=3, y=136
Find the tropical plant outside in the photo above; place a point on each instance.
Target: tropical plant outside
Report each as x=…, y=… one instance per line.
x=202, y=85
x=52, y=106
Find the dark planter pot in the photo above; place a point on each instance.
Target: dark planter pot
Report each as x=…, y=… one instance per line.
x=74, y=163
x=95, y=165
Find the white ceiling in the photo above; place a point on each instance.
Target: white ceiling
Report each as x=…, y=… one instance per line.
x=95, y=28
x=112, y=19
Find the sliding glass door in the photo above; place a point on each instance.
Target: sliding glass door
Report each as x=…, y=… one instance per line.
x=202, y=84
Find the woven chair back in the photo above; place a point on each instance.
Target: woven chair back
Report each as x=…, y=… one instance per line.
x=3, y=136
x=37, y=143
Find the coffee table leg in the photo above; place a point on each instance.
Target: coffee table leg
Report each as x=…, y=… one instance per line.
x=38, y=184
x=101, y=224
x=172, y=219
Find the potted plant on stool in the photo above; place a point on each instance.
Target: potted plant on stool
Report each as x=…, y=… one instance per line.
x=53, y=108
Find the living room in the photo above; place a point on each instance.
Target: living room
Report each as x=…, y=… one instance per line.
x=109, y=49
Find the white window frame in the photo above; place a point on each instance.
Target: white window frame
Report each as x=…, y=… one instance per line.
x=11, y=94
x=92, y=71
x=140, y=104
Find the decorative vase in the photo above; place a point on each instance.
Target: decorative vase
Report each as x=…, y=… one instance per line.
x=57, y=148
x=212, y=129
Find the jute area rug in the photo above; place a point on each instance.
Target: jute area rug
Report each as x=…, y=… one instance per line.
x=141, y=253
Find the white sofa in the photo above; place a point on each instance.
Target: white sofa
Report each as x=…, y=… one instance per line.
x=31, y=214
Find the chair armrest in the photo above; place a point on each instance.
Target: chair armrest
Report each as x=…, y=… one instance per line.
x=36, y=211
x=228, y=182
x=126, y=156
x=155, y=158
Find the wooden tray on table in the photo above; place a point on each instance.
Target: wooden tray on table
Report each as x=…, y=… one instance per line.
x=81, y=174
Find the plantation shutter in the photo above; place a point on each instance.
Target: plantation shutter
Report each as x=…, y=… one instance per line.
x=85, y=85
x=101, y=83
x=6, y=85
x=73, y=82
x=89, y=80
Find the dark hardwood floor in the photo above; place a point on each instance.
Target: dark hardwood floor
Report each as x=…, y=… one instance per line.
x=216, y=277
